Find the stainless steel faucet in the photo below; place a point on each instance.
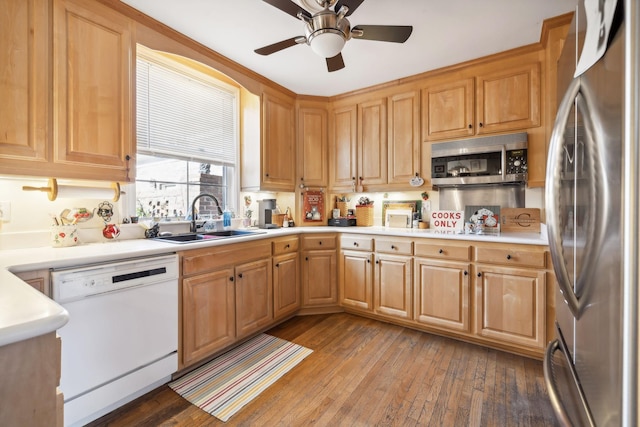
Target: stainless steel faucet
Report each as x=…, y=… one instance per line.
x=193, y=209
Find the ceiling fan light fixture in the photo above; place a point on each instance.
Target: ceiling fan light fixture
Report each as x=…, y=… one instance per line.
x=327, y=43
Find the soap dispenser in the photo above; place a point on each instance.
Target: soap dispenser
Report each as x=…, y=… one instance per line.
x=226, y=219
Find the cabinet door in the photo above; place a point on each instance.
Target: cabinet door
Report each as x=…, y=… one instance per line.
x=508, y=99
x=208, y=314
x=24, y=85
x=372, y=143
x=38, y=279
x=343, y=149
x=510, y=305
x=313, y=151
x=319, y=278
x=392, y=286
x=442, y=296
x=278, y=144
x=93, y=71
x=286, y=287
x=447, y=110
x=404, y=138
x=356, y=279
x=254, y=297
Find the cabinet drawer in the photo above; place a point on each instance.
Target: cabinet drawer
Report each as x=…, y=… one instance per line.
x=320, y=241
x=514, y=256
x=443, y=251
x=209, y=259
x=356, y=243
x=394, y=246
x=285, y=245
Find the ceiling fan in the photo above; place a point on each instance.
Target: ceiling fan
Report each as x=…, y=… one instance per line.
x=328, y=29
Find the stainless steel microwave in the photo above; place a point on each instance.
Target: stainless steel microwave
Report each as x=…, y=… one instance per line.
x=500, y=159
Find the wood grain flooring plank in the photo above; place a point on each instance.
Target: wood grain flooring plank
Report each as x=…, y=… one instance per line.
x=364, y=372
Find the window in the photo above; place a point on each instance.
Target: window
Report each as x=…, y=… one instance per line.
x=187, y=137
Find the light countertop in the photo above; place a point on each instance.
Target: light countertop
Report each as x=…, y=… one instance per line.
x=27, y=313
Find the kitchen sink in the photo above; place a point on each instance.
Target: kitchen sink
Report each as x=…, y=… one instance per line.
x=194, y=237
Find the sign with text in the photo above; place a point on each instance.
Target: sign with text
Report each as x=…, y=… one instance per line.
x=447, y=220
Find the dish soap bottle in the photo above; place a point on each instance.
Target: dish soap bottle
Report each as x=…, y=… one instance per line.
x=226, y=219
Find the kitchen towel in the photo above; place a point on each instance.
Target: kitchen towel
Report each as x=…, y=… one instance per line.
x=230, y=381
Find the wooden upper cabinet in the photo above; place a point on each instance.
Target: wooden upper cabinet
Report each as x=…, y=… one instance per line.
x=313, y=153
x=497, y=99
x=447, y=110
x=93, y=72
x=24, y=84
x=404, y=138
x=508, y=99
x=372, y=143
x=278, y=143
x=343, y=148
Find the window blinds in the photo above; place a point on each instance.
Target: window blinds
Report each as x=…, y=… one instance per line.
x=185, y=117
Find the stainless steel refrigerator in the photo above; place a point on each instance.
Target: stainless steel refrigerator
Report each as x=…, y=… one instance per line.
x=591, y=199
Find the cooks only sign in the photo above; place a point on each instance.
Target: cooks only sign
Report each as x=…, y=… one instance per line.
x=447, y=221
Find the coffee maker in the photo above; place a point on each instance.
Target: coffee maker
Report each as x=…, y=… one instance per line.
x=265, y=213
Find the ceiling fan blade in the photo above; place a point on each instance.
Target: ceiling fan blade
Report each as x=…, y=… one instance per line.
x=336, y=63
x=287, y=6
x=273, y=48
x=351, y=4
x=383, y=33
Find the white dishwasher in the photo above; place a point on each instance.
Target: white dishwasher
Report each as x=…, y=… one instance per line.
x=121, y=340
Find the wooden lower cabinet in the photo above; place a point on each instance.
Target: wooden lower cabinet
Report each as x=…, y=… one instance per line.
x=356, y=280
x=216, y=281
x=208, y=314
x=254, y=297
x=39, y=279
x=510, y=305
x=30, y=377
x=286, y=286
x=442, y=294
x=392, y=286
x=319, y=271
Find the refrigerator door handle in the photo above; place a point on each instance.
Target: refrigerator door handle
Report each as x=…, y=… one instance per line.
x=553, y=190
x=554, y=395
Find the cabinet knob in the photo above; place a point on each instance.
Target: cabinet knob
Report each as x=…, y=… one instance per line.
x=393, y=247
x=240, y=275
x=466, y=273
x=355, y=244
x=278, y=265
x=306, y=258
x=479, y=274
x=231, y=279
x=287, y=246
x=480, y=124
x=320, y=242
x=368, y=261
x=127, y=157
x=267, y=175
x=470, y=126
x=508, y=256
x=377, y=261
x=441, y=251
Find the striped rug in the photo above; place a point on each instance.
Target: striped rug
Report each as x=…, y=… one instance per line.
x=230, y=381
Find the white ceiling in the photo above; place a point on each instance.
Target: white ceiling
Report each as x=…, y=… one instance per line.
x=445, y=32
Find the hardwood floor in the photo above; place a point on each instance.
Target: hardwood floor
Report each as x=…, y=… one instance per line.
x=363, y=373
